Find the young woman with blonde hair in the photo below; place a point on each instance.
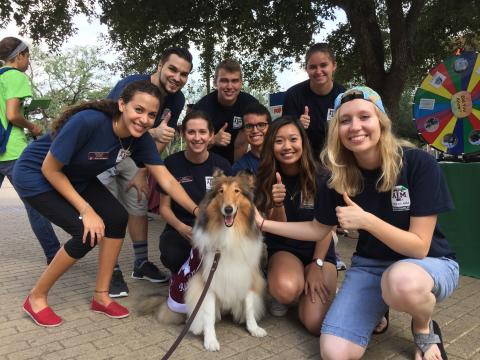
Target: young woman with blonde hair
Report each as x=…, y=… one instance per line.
x=392, y=194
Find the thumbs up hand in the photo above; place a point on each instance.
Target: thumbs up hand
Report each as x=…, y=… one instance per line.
x=351, y=216
x=222, y=138
x=163, y=133
x=278, y=191
x=305, y=118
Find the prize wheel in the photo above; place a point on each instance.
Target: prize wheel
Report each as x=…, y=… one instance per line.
x=446, y=107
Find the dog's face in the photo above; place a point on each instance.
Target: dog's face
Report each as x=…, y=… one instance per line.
x=230, y=198
x=231, y=194
x=229, y=202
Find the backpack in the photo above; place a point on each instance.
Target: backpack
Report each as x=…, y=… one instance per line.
x=5, y=133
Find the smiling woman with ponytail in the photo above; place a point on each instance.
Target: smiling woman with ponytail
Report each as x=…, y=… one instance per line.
x=57, y=175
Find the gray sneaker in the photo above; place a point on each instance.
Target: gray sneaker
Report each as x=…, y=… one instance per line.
x=118, y=286
x=277, y=309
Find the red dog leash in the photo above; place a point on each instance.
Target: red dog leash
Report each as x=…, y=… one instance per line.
x=170, y=351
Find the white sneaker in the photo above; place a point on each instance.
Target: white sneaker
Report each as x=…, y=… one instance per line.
x=277, y=309
x=341, y=265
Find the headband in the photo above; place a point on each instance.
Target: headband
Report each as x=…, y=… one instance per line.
x=21, y=47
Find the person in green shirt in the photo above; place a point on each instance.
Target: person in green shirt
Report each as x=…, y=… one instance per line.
x=14, y=91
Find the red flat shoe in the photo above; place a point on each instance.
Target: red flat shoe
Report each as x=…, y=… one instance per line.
x=113, y=310
x=45, y=317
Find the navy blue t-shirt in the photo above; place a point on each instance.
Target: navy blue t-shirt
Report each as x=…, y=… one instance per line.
x=86, y=146
x=233, y=115
x=297, y=209
x=421, y=190
x=320, y=109
x=196, y=179
x=247, y=162
x=174, y=102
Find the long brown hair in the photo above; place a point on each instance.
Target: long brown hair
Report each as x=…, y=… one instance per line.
x=269, y=165
x=107, y=106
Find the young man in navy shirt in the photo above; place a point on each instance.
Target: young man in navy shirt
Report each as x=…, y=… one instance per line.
x=256, y=121
x=172, y=74
x=226, y=106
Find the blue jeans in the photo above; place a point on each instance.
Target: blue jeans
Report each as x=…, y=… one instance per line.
x=41, y=227
x=359, y=306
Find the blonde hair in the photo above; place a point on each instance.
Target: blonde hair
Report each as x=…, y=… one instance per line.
x=346, y=176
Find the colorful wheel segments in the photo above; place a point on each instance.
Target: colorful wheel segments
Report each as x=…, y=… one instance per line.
x=446, y=107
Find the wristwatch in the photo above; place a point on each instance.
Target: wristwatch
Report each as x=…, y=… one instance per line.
x=318, y=262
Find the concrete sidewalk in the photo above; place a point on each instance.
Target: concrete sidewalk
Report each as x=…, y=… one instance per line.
x=86, y=335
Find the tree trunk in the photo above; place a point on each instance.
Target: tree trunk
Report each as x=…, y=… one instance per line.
x=207, y=60
x=367, y=33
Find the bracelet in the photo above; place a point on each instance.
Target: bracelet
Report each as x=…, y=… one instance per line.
x=261, y=225
x=82, y=213
x=193, y=211
x=102, y=291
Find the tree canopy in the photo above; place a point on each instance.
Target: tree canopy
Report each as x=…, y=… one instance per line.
x=385, y=44
x=391, y=44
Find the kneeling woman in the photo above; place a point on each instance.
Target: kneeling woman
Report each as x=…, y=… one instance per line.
x=297, y=270
x=392, y=194
x=56, y=175
x=193, y=169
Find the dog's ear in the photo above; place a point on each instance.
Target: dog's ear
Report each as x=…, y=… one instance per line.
x=218, y=173
x=248, y=178
x=218, y=176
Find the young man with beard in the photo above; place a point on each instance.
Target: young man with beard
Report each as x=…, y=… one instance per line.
x=171, y=75
x=256, y=121
x=226, y=106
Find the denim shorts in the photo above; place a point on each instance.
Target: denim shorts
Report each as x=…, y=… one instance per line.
x=359, y=306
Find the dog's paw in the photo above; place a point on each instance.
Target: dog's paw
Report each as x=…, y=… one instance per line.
x=211, y=344
x=258, y=332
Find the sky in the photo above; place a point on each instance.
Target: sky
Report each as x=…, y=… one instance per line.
x=89, y=34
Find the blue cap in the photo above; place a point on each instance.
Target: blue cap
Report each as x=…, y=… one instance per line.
x=359, y=92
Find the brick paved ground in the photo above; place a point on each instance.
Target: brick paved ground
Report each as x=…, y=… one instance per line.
x=85, y=335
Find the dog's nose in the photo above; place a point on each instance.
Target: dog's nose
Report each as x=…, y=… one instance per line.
x=228, y=210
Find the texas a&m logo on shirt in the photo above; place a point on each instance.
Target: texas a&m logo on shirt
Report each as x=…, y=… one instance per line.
x=237, y=122
x=400, y=198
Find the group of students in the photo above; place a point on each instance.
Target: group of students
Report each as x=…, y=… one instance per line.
x=368, y=180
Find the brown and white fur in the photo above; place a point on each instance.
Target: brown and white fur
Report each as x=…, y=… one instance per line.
x=227, y=223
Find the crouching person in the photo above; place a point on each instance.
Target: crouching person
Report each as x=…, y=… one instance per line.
x=57, y=175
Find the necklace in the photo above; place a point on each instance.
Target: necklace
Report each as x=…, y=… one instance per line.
x=292, y=195
x=123, y=153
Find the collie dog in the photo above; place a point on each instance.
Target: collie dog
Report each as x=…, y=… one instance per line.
x=226, y=223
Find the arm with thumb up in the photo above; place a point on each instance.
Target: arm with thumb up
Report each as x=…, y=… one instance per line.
x=222, y=138
x=278, y=191
x=163, y=133
x=351, y=216
x=305, y=118
x=278, y=195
